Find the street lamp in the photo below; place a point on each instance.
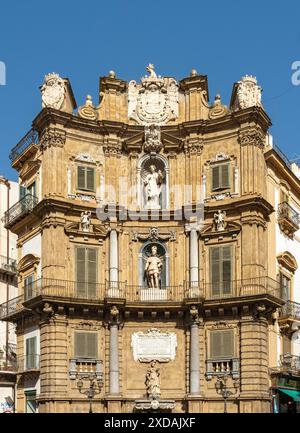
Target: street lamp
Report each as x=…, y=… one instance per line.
x=221, y=387
x=94, y=388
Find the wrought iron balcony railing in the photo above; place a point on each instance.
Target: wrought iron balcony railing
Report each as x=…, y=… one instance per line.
x=20, y=209
x=28, y=363
x=290, y=362
x=97, y=292
x=285, y=211
x=8, y=265
x=9, y=367
x=30, y=138
x=290, y=309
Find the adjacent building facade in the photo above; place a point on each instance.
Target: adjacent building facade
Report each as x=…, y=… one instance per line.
x=9, y=195
x=157, y=251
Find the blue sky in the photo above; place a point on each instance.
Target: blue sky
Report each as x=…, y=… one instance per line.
x=84, y=40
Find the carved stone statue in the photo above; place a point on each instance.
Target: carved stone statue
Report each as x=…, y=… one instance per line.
x=153, y=269
x=153, y=186
x=219, y=219
x=85, y=220
x=53, y=91
x=150, y=69
x=248, y=92
x=153, y=381
x=153, y=142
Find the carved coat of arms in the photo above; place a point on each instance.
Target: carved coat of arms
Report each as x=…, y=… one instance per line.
x=248, y=93
x=154, y=101
x=53, y=91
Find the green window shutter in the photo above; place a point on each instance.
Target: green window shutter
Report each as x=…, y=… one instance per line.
x=81, y=177
x=28, y=286
x=215, y=270
x=90, y=179
x=86, y=345
x=221, y=344
x=91, y=271
x=224, y=168
x=31, y=347
x=80, y=271
x=92, y=345
x=79, y=345
x=215, y=177
x=226, y=268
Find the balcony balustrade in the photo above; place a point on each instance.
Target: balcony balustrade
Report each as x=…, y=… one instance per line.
x=89, y=293
x=8, y=265
x=290, y=310
x=228, y=366
x=31, y=138
x=288, y=219
x=19, y=210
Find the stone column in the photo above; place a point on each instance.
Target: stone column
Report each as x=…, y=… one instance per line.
x=194, y=352
x=192, y=228
x=114, y=382
x=113, y=262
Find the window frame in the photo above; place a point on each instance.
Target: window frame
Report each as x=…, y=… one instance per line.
x=86, y=283
x=86, y=168
x=209, y=348
x=221, y=281
x=222, y=187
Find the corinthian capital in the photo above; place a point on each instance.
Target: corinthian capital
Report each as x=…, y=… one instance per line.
x=253, y=137
x=53, y=137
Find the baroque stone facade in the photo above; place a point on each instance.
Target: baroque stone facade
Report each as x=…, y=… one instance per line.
x=143, y=249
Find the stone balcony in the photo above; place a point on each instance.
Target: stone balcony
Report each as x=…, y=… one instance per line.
x=93, y=295
x=288, y=219
x=24, y=147
x=288, y=364
x=19, y=210
x=8, y=266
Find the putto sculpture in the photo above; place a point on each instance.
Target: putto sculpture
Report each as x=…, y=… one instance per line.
x=153, y=269
x=219, y=219
x=153, y=187
x=152, y=142
x=153, y=381
x=85, y=220
x=53, y=91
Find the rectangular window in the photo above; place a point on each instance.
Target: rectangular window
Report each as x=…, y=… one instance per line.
x=220, y=177
x=31, y=189
x=86, y=178
x=86, y=272
x=31, y=353
x=285, y=284
x=221, y=270
x=31, y=404
x=86, y=345
x=29, y=287
x=221, y=344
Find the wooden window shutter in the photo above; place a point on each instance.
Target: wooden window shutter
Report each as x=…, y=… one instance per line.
x=224, y=168
x=215, y=177
x=90, y=179
x=91, y=345
x=226, y=268
x=81, y=177
x=221, y=344
x=86, y=345
x=22, y=191
x=79, y=345
x=80, y=271
x=91, y=254
x=215, y=270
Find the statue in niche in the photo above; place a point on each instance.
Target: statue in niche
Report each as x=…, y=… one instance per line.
x=153, y=186
x=85, y=220
x=219, y=219
x=153, y=269
x=153, y=381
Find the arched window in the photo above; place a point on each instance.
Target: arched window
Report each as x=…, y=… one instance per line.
x=162, y=254
x=153, y=181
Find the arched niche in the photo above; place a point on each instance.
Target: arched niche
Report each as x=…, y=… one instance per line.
x=161, y=163
x=144, y=253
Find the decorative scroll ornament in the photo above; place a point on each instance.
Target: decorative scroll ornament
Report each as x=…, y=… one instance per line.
x=154, y=235
x=53, y=91
x=154, y=346
x=88, y=111
x=217, y=109
x=153, y=143
x=154, y=101
x=248, y=92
